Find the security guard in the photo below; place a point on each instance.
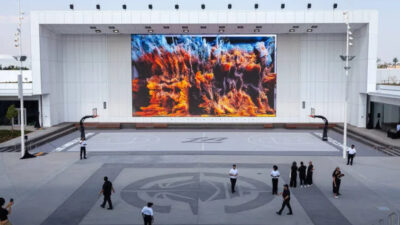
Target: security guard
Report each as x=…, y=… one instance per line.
x=286, y=200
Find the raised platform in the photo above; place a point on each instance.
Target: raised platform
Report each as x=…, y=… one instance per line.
x=99, y=125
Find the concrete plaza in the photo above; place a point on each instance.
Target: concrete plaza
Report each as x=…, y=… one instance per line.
x=184, y=172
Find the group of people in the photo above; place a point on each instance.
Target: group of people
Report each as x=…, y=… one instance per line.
x=306, y=180
x=305, y=174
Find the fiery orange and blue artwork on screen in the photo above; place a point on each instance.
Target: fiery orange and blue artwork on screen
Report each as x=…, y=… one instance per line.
x=203, y=76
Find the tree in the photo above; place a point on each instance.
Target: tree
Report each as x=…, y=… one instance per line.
x=378, y=61
x=395, y=61
x=11, y=114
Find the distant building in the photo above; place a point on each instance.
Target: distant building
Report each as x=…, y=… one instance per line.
x=384, y=103
x=9, y=96
x=82, y=60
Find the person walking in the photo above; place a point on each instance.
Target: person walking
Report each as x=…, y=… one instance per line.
x=293, y=175
x=147, y=214
x=351, y=153
x=336, y=180
x=286, y=200
x=83, y=144
x=233, y=174
x=5, y=212
x=275, y=175
x=309, y=177
x=106, y=191
x=302, y=174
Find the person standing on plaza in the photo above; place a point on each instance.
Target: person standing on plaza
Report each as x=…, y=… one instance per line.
x=336, y=180
x=309, y=178
x=5, y=212
x=302, y=174
x=293, y=175
x=286, y=200
x=233, y=174
x=351, y=153
x=147, y=214
x=106, y=191
x=275, y=175
x=83, y=144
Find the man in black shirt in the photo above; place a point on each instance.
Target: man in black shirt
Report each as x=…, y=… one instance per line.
x=4, y=212
x=286, y=200
x=302, y=174
x=106, y=191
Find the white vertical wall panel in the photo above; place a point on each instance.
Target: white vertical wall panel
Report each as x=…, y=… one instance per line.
x=85, y=68
x=288, y=77
x=51, y=77
x=358, y=77
x=119, y=85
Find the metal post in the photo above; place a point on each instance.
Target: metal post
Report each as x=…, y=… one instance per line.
x=346, y=58
x=345, y=90
x=326, y=124
x=20, y=80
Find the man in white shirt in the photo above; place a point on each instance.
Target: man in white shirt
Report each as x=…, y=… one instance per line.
x=398, y=127
x=147, y=213
x=351, y=152
x=83, y=148
x=233, y=174
x=275, y=176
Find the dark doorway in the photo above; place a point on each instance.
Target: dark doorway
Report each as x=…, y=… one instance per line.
x=32, y=111
x=384, y=116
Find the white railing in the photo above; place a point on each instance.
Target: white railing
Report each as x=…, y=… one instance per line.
x=11, y=89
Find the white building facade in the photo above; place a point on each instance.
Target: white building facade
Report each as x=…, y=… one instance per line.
x=75, y=69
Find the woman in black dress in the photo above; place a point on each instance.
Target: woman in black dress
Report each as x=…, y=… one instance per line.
x=309, y=178
x=293, y=175
x=302, y=174
x=336, y=177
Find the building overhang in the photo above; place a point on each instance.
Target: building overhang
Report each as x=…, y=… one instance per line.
x=386, y=97
x=200, y=22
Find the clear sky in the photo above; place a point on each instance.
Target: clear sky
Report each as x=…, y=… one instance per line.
x=389, y=15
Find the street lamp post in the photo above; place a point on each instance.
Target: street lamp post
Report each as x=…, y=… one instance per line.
x=20, y=85
x=346, y=58
x=21, y=58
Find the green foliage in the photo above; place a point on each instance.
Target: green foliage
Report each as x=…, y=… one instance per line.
x=6, y=135
x=11, y=112
x=395, y=61
x=12, y=67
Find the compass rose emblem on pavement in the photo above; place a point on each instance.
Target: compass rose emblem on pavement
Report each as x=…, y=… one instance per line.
x=195, y=189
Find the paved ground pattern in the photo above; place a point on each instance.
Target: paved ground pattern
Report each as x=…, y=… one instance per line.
x=193, y=194
x=192, y=186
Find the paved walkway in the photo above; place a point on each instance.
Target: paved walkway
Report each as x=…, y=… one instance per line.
x=194, y=190
x=184, y=172
x=17, y=127
x=374, y=135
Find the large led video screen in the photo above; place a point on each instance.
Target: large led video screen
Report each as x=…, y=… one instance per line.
x=203, y=75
